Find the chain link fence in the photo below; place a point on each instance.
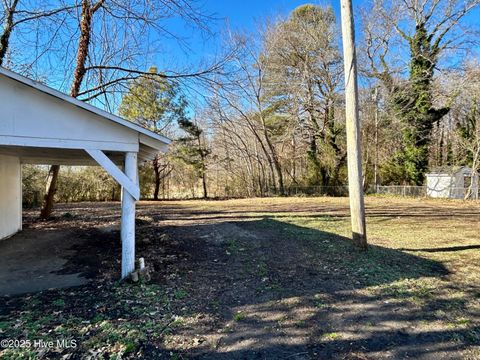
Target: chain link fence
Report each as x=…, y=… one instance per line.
x=335, y=191
x=317, y=191
x=394, y=190
x=424, y=191
x=400, y=190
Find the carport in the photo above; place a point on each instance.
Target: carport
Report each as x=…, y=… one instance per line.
x=40, y=125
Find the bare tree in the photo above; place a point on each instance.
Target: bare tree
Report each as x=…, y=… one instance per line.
x=465, y=118
x=427, y=30
x=109, y=50
x=304, y=73
x=162, y=168
x=240, y=155
x=279, y=110
x=243, y=93
x=88, y=10
x=15, y=13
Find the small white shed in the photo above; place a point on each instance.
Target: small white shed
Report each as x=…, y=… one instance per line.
x=451, y=182
x=39, y=125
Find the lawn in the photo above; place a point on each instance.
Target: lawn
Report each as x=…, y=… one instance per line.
x=272, y=278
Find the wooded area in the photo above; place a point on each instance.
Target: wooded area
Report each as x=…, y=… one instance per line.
x=267, y=113
x=279, y=123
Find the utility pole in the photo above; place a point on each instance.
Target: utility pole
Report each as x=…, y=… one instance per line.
x=354, y=155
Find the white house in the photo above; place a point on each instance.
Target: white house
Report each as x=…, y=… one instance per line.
x=39, y=125
x=451, y=182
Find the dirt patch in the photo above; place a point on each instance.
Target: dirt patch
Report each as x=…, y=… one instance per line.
x=268, y=279
x=37, y=260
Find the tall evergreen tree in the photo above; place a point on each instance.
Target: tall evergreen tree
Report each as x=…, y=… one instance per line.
x=413, y=102
x=192, y=149
x=304, y=72
x=427, y=29
x=154, y=103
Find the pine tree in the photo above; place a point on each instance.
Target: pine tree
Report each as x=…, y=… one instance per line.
x=155, y=104
x=192, y=150
x=303, y=66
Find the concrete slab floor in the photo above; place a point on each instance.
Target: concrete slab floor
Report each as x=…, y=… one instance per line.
x=33, y=260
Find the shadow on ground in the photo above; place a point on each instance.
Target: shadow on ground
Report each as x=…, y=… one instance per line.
x=275, y=290
x=264, y=289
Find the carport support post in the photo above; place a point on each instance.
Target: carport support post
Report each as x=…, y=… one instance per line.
x=128, y=217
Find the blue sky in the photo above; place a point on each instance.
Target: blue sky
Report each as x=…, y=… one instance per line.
x=167, y=54
x=238, y=15
x=243, y=15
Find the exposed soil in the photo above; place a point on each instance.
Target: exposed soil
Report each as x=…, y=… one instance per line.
x=243, y=284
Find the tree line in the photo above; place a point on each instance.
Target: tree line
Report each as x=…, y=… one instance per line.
x=268, y=115
x=276, y=119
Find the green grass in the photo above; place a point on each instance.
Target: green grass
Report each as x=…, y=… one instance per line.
x=112, y=335
x=418, y=253
x=232, y=246
x=418, y=259
x=331, y=336
x=239, y=316
x=180, y=294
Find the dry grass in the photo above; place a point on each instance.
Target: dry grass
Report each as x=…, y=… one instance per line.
x=444, y=232
x=275, y=275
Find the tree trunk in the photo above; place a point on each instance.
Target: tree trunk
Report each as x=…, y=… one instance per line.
x=51, y=189
x=274, y=159
x=79, y=74
x=354, y=155
x=163, y=188
x=276, y=162
x=7, y=30
x=157, y=178
x=440, y=148
x=474, y=176
x=204, y=185
x=375, y=166
x=315, y=173
x=334, y=180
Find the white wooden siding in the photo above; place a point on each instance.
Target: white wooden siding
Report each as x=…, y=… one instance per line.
x=32, y=118
x=10, y=196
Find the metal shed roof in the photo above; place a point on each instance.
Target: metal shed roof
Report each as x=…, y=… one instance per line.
x=449, y=170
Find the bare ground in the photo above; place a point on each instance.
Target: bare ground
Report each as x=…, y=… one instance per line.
x=265, y=279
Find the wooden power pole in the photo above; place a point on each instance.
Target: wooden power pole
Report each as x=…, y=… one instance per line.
x=354, y=154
